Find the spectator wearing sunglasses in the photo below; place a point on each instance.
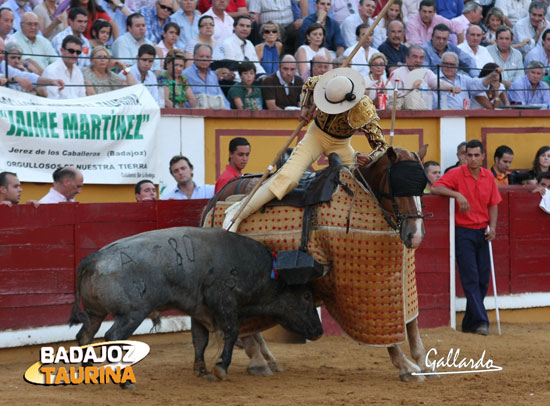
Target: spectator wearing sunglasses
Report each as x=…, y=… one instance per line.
x=156, y=17
x=66, y=69
x=269, y=52
x=78, y=20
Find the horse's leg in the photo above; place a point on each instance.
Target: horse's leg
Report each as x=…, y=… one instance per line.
x=271, y=361
x=418, y=353
x=258, y=365
x=406, y=367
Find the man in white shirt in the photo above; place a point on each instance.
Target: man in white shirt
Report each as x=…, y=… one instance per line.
x=78, y=20
x=6, y=24
x=182, y=171
x=471, y=46
x=223, y=22
x=65, y=69
x=513, y=10
x=142, y=70
x=67, y=183
x=529, y=29
x=365, y=10
x=238, y=48
x=361, y=59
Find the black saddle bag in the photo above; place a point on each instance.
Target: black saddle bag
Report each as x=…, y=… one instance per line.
x=297, y=267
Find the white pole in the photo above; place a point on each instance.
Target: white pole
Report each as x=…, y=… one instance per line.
x=452, y=263
x=494, y=283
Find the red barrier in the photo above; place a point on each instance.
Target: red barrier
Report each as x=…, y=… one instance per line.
x=41, y=247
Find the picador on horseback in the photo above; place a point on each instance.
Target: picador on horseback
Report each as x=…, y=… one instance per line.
x=342, y=109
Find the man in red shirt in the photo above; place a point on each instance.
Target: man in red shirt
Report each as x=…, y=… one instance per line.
x=476, y=194
x=239, y=152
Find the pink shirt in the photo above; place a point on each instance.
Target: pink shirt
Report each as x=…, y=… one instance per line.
x=419, y=34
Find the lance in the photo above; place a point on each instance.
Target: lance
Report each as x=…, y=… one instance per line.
x=303, y=122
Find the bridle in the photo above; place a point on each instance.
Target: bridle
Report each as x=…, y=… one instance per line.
x=389, y=181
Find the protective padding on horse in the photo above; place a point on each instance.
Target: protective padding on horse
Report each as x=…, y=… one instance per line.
x=367, y=292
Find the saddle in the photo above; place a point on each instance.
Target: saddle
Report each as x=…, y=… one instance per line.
x=315, y=187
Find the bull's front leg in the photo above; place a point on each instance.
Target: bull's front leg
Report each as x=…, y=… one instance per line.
x=200, y=342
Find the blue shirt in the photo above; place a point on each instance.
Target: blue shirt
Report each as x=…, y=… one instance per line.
x=521, y=92
x=471, y=87
x=152, y=22
x=465, y=63
x=538, y=54
x=395, y=57
x=188, y=30
x=270, y=59
x=13, y=6
x=117, y=16
x=211, y=87
x=333, y=38
x=449, y=8
x=199, y=192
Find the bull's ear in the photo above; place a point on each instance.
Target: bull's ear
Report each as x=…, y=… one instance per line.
x=422, y=151
x=392, y=156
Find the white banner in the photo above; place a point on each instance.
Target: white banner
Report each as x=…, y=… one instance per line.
x=110, y=137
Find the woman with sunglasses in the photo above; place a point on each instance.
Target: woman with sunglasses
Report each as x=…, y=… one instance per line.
x=170, y=36
x=98, y=77
x=177, y=92
x=313, y=45
x=269, y=51
x=206, y=33
x=101, y=33
x=95, y=12
x=49, y=25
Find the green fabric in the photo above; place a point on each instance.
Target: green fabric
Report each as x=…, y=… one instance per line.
x=180, y=100
x=250, y=102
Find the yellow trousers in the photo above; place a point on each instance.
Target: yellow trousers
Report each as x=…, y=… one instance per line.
x=308, y=150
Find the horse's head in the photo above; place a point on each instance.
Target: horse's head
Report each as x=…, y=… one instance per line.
x=397, y=180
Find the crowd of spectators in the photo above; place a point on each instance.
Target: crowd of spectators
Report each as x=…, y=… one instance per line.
x=210, y=39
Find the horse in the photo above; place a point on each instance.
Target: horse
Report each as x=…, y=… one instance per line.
x=384, y=180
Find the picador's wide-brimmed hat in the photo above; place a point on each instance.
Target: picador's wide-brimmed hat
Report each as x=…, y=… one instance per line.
x=339, y=90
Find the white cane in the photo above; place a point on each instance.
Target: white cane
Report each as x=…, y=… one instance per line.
x=494, y=283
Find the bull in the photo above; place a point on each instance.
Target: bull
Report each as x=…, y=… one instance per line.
x=218, y=278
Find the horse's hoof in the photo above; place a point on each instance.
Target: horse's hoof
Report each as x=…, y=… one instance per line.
x=259, y=371
x=275, y=367
x=219, y=372
x=128, y=385
x=409, y=377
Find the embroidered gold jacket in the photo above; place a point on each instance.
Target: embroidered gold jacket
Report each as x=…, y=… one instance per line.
x=360, y=117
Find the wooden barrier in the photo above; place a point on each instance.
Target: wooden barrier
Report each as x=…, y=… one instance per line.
x=41, y=247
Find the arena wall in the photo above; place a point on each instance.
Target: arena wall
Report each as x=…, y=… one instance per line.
x=204, y=135
x=41, y=247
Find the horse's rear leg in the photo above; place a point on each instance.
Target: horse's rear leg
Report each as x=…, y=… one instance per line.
x=268, y=355
x=406, y=367
x=258, y=365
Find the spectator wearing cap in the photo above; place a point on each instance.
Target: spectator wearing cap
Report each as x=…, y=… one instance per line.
x=530, y=89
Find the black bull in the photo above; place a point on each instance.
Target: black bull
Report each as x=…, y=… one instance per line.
x=218, y=278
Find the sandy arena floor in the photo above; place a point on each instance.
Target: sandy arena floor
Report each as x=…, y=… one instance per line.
x=330, y=371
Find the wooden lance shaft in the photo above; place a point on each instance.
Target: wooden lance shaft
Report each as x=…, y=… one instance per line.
x=302, y=123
